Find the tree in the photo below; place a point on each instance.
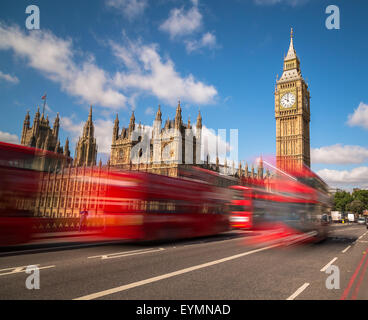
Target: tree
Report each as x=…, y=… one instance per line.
x=341, y=199
x=356, y=206
x=361, y=195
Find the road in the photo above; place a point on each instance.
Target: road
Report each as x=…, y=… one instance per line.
x=221, y=267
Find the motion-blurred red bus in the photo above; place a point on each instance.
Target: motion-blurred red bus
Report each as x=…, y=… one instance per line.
x=20, y=169
x=146, y=206
x=241, y=208
x=285, y=202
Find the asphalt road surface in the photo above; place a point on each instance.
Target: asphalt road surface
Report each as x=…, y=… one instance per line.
x=220, y=267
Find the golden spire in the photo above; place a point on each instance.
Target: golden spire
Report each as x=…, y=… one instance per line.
x=291, y=52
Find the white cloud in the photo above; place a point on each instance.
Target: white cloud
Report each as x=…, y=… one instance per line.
x=127, y=54
x=208, y=40
x=184, y=24
x=129, y=8
x=147, y=71
x=103, y=134
x=9, y=138
x=150, y=73
x=54, y=58
x=339, y=154
x=181, y=22
x=292, y=3
x=149, y=111
x=73, y=128
x=357, y=177
x=9, y=78
x=359, y=117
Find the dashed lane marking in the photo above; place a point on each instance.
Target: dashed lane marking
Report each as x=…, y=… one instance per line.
x=346, y=249
x=299, y=291
x=126, y=253
x=328, y=264
x=14, y=270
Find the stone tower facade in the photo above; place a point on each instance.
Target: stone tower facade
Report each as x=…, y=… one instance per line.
x=167, y=146
x=40, y=135
x=86, y=148
x=292, y=113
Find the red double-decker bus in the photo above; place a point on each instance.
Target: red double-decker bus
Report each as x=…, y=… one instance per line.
x=20, y=169
x=146, y=206
x=242, y=208
x=288, y=202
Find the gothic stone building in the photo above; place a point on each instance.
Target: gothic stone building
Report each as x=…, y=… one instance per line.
x=41, y=136
x=168, y=150
x=172, y=150
x=165, y=149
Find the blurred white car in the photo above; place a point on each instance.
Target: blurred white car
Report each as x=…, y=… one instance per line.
x=361, y=221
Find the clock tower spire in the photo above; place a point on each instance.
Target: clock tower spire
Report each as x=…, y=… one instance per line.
x=292, y=114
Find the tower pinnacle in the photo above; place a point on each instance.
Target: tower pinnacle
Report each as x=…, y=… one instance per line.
x=291, y=52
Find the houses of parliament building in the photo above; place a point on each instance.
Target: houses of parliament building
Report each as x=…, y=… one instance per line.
x=173, y=147
x=62, y=188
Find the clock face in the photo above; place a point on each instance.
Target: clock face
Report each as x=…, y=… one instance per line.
x=288, y=100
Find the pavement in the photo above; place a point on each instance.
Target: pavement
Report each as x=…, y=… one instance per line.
x=219, y=267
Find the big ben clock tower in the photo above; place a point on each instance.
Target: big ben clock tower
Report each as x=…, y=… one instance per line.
x=292, y=113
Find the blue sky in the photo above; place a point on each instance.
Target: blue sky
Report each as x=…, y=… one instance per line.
x=219, y=56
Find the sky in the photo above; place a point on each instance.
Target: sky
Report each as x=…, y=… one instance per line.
x=219, y=57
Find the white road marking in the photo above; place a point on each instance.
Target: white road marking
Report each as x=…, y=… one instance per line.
x=347, y=229
x=299, y=291
x=126, y=253
x=21, y=269
x=346, y=249
x=328, y=264
x=358, y=240
x=59, y=248
x=212, y=242
x=169, y=275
